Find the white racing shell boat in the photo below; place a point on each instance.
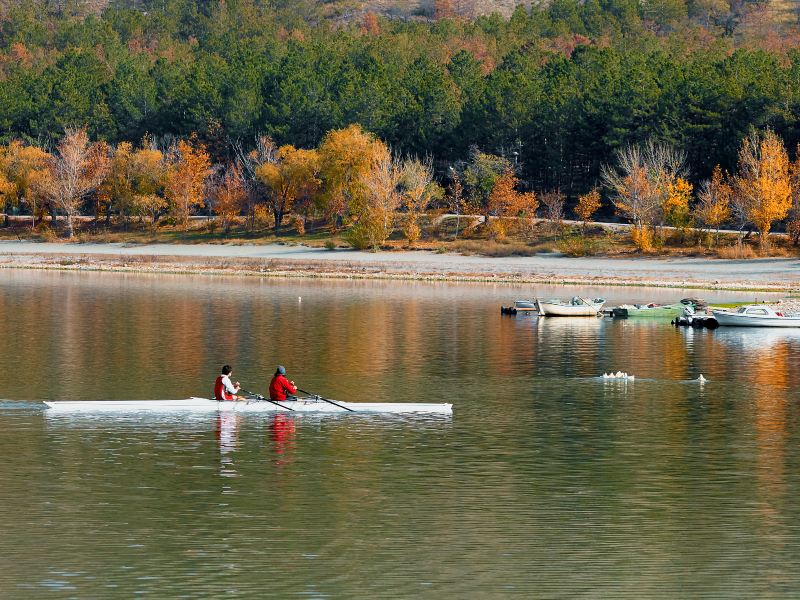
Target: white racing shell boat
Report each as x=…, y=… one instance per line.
x=304, y=405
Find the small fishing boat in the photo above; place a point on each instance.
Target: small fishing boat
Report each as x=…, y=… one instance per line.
x=755, y=315
x=660, y=311
x=576, y=307
x=523, y=305
x=304, y=405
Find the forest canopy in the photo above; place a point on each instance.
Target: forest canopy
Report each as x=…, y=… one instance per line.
x=555, y=89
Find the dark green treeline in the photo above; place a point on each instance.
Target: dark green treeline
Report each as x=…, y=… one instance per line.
x=555, y=90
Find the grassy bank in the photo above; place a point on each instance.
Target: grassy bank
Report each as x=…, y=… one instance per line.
x=443, y=234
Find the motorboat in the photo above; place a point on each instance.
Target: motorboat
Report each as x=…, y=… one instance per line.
x=575, y=307
x=755, y=315
x=683, y=308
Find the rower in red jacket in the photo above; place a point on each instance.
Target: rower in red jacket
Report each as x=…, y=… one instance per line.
x=280, y=387
x=223, y=388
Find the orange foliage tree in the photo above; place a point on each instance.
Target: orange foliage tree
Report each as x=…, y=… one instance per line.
x=714, y=201
x=793, y=226
x=505, y=201
x=588, y=204
x=228, y=196
x=186, y=177
x=762, y=188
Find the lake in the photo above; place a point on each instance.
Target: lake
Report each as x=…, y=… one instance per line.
x=546, y=482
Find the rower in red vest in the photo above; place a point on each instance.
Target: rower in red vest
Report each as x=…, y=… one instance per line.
x=280, y=387
x=223, y=388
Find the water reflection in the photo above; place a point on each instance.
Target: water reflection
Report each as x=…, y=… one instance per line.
x=228, y=424
x=546, y=482
x=282, y=431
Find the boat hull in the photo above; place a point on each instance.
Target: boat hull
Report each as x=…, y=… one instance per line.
x=206, y=405
x=657, y=312
x=728, y=319
x=549, y=309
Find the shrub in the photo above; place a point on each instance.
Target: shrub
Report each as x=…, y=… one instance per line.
x=642, y=238
x=577, y=244
x=330, y=245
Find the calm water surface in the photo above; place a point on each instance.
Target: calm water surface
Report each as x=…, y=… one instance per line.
x=545, y=483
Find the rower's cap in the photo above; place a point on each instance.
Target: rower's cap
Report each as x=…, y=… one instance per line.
x=281, y=369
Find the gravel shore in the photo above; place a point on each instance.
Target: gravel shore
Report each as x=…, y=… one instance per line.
x=778, y=274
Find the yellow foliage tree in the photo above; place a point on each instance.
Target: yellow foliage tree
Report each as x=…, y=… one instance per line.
x=346, y=156
x=20, y=167
x=186, y=177
x=416, y=179
x=676, y=205
x=373, y=215
x=763, y=192
x=135, y=182
x=291, y=175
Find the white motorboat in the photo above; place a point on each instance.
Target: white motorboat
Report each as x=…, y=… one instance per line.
x=304, y=405
x=755, y=315
x=576, y=307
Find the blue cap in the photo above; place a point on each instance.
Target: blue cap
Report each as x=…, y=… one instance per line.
x=281, y=369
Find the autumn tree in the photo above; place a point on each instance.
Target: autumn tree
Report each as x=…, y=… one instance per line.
x=135, y=181
x=714, y=201
x=505, y=201
x=416, y=182
x=588, y=204
x=373, y=213
x=553, y=203
x=189, y=166
x=74, y=171
x=292, y=175
x=346, y=157
x=762, y=189
x=247, y=162
x=640, y=184
x=793, y=225
x=21, y=166
x=480, y=176
x=228, y=195
x=676, y=204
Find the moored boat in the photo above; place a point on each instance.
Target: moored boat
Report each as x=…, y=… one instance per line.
x=304, y=405
x=755, y=315
x=576, y=307
x=659, y=311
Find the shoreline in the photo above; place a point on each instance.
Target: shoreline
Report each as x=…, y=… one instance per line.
x=278, y=261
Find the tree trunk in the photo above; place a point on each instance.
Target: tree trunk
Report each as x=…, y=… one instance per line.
x=70, y=229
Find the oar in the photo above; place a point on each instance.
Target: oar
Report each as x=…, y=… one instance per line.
x=326, y=400
x=260, y=397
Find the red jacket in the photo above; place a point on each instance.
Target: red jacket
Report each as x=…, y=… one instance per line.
x=280, y=387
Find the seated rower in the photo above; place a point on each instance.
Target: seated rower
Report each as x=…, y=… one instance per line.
x=224, y=389
x=281, y=388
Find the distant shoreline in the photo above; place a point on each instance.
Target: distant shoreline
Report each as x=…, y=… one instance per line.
x=280, y=261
